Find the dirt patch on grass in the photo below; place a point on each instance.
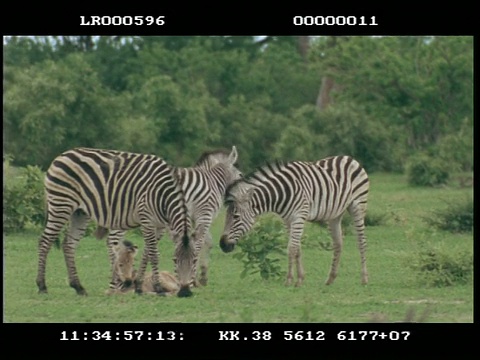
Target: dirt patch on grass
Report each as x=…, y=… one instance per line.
x=425, y=301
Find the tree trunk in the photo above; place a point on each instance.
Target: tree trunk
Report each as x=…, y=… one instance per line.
x=303, y=44
x=324, y=99
x=328, y=82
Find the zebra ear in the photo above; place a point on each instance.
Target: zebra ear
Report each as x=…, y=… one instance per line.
x=233, y=155
x=133, y=249
x=130, y=247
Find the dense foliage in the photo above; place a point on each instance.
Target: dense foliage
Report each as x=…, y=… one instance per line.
x=23, y=198
x=456, y=216
x=262, y=248
x=439, y=267
x=379, y=99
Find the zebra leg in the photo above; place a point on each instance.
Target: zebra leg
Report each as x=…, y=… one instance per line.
x=113, y=241
x=200, y=248
x=294, y=252
x=204, y=257
x=335, y=226
x=78, y=225
x=185, y=260
x=358, y=213
x=49, y=236
x=141, y=271
x=150, y=254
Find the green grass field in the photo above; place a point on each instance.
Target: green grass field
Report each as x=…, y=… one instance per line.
x=393, y=290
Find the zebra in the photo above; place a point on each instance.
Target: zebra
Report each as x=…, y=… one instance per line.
x=125, y=254
x=299, y=192
x=124, y=264
x=118, y=190
x=204, y=187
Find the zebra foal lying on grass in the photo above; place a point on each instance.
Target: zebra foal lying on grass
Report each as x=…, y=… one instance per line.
x=298, y=192
x=123, y=265
x=204, y=187
x=119, y=191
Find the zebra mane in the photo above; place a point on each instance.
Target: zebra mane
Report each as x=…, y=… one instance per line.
x=264, y=169
x=250, y=178
x=231, y=188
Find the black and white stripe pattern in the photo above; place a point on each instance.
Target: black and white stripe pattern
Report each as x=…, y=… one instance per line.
x=299, y=192
x=204, y=187
x=119, y=191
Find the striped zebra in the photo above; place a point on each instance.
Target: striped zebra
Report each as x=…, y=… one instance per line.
x=204, y=187
x=119, y=191
x=298, y=192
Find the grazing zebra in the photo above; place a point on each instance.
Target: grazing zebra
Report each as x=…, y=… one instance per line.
x=125, y=253
x=298, y=192
x=204, y=187
x=119, y=191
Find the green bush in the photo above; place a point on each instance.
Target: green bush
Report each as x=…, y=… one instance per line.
x=23, y=198
x=457, y=217
x=259, y=247
x=439, y=267
x=425, y=170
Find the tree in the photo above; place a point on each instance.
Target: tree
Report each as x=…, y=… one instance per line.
x=410, y=85
x=53, y=106
x=380, y=99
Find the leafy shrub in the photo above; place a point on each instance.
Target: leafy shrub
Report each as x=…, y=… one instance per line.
x=439, y=267
x=23, y=198
x=259, y=247
x=425, y=170
x=457, y=217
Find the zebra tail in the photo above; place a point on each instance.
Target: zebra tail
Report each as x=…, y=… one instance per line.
x=177, y=173
x=56, y=243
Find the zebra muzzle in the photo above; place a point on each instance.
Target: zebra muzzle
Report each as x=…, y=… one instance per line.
x=185, y=291
x=225, y=245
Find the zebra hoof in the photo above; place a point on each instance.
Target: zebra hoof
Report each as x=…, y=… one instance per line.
x=42, y=288
x=81, y=291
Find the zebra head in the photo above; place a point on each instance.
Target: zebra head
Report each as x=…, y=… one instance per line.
x=240, y=215
x=124, y=262
x=211, y=158
x=221, y=158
